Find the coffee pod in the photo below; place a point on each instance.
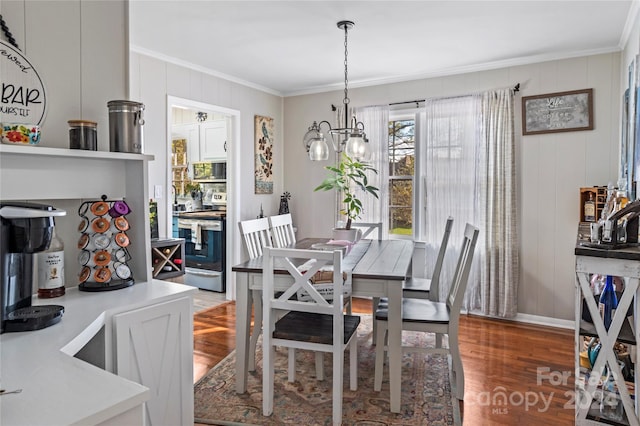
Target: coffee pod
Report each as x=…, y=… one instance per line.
x=84, y=241
x=84, y=258
x=100, y=224
x=102, y=258
x=102, y=275
x=99, y=208
x=120, y=240
x=83, y=225
x=101, y=241
x=84, y=275
x=119, y=224
x=119, y=208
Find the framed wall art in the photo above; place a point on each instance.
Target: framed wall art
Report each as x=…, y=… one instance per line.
x=263, y=133
x=557, y=112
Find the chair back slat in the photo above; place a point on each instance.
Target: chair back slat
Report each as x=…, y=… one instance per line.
x=461, y=275
x=434, y=291
x=369, y=228
x=282, y=230
x=256, y=236
x=301, y=266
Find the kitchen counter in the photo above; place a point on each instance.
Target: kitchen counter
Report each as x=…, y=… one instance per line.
x=201, y=214
x=58, y=388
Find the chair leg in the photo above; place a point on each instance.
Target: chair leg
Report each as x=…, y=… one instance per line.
x=292, y=365
x=456, y=366
x=379, y=366
x=320, y=365
x=338, y=367
x=374, y=306
x=353, y=364
x=267, y=380
x=257, y=328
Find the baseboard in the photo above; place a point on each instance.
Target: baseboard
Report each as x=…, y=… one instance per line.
x=533, y=319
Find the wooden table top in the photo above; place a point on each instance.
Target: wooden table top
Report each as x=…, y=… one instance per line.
x=373, y=259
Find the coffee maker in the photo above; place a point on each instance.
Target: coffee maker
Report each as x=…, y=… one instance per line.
x=27, y=228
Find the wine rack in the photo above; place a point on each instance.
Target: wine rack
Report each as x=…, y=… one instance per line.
x=167, y=258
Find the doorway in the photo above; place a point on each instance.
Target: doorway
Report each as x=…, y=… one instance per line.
x=194, y=136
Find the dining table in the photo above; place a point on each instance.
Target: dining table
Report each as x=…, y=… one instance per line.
x=378, y=269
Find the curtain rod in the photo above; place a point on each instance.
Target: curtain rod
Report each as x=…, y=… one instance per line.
x=516, y=88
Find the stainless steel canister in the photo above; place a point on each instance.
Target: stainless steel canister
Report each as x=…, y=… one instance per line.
x=125, y=126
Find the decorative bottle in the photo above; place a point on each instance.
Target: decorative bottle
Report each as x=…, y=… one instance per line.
x=590, y=209
x=608, y=302
x=50, y=264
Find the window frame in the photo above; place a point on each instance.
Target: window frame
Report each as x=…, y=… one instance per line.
x=400, y=114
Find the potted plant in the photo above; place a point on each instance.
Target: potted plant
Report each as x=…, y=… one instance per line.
x=346, y=177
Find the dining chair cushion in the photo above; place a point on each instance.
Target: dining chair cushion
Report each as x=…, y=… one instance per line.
x=312, y=327
x=419, y=310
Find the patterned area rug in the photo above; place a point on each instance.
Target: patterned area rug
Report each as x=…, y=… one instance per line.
x=426, y=390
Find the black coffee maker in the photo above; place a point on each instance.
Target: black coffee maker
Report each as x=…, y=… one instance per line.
x=26, y=229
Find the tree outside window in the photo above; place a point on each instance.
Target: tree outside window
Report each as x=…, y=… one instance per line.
x=401, y=171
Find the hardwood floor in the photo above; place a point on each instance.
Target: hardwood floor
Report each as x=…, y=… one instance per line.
x=515, y=374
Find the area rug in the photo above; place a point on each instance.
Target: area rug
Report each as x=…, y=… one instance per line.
x=426, y=391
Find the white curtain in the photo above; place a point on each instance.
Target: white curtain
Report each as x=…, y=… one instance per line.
x=376, y=127
x=466, y=170
x=497, y=293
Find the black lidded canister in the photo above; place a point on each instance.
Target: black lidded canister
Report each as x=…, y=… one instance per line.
x=125, y=126
x=83, y=134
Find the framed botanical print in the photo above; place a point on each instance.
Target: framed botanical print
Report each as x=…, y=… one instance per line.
x=263, y=133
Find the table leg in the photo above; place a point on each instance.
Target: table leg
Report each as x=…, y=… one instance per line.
x=243, y=322
x=395, y=343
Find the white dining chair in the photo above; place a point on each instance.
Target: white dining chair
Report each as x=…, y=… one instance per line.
x=368, y=228
x=282, y=230
x=315, y=323
x=428, y=316
x=418, y=286
x=256, y=236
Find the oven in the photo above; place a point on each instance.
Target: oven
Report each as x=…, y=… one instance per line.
x=205, y=251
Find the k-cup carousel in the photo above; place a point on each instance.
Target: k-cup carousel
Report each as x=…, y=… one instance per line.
x=103, y=245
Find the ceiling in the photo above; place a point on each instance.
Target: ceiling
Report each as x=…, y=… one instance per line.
x=295, y=47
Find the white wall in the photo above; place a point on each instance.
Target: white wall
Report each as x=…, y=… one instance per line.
x=551, y=168
x=152, y=80
x=80, y=50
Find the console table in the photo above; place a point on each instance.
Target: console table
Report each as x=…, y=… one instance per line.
x=622, y=263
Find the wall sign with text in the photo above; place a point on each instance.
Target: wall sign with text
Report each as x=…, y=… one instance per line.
x=557, y=112
x=23, y=99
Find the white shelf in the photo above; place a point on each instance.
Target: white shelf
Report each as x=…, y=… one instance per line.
x=36, y=173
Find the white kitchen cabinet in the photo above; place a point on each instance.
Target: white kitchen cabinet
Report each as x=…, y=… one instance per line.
x=149, y=322
x=213, y=140
x=190, y=132
x=154, y=348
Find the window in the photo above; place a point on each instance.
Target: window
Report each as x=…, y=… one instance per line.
x=401, y=171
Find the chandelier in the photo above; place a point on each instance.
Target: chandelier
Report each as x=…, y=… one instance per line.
x=351, y=138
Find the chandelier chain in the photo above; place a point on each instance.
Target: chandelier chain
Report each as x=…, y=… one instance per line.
x=346, y=74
